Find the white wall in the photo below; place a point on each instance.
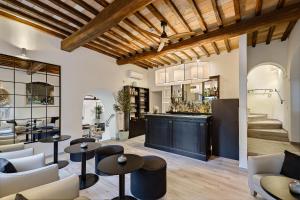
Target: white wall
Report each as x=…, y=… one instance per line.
x=294, y=75
x=82, y=71
x=243, y=101
x=266, y=102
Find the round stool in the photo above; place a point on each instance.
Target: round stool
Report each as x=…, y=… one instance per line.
x=104, y=152
x=77, y=157
x=152, y=174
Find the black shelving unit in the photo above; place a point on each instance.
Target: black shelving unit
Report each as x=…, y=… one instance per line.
x=25, y=69
x=140, y=106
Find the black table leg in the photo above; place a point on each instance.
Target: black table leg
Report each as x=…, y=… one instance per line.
x=122, y=195
x=60, y=163
x=86, y=180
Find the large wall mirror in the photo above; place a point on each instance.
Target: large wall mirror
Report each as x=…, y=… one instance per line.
x=29, y=100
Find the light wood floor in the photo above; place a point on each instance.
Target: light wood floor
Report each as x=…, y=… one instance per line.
x=187, y=179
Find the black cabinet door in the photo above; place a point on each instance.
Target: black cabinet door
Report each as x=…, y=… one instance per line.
x=160, y=131
x=188, y=135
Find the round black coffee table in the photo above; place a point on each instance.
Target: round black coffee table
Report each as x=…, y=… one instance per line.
x=86, y=180
x=111, y=166
x=60, y=163
x=278, y=187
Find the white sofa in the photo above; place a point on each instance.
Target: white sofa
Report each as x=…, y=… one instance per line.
x=32, y=172
x=65, y=189
x=12, y=147
x=17, y=154
x=260, y=166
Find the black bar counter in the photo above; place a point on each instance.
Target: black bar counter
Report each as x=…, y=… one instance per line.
x=187, y=135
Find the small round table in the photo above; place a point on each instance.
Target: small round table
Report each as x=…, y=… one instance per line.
x=278, y=187
x=111, y=166
x=86, y=180
x=60, y=163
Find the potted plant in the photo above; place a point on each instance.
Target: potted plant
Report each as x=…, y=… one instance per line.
x=123, y=105
x=98, y=111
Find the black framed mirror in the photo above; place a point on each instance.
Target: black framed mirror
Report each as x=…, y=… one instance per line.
x=30, y=100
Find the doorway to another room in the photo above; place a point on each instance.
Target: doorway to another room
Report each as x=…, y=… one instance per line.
x=267, y=111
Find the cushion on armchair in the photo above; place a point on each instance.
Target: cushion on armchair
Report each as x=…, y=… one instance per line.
x=291, y=165
x=6, y=166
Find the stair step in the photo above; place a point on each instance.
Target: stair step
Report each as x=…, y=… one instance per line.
x=257, y=116
x=269, y=134
x=265, y=124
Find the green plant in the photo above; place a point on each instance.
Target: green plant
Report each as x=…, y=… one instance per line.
x=99, y=111
x=123, y=101
x=123, y=104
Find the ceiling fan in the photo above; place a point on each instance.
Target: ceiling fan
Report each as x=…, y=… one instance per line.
x=164, y=38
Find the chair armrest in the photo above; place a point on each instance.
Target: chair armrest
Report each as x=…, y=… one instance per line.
x=17, y=154
x=12, y=147
x=29, y=162
x=67, y=188
x=266, y=164
x=17, y=182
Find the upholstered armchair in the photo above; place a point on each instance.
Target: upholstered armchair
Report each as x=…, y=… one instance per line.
x=260, y=166
x=12, y=147
x=17, y=154
x=31, y=172
x=67, y=189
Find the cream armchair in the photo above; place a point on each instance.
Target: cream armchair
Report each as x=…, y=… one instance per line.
x=66, y=189
x=32, y=172
x=12, y=147
x=260, y=166
x=17, y=154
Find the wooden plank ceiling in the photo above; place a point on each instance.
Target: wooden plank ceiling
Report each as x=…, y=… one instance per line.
x=130, y=38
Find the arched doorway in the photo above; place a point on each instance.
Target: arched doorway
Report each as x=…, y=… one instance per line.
x=267, y=107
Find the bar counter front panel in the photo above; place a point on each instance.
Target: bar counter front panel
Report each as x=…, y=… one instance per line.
x=181, y=134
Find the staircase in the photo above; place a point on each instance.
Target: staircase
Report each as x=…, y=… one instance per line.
x=259, y=126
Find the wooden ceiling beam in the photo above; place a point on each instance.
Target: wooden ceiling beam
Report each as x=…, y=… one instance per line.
x=103, y=3
x=105, y=20
x=237, y=11
x=108, y=49
x=49, y=31
x=156, y=62
x=227, y=45
x=286, y=14
x=216, y=12
x=113, y=41
x=198, y=14
x=203, y=49
x=141, y=64
x=186, y=55
x=129, y=34
x=159, y=16
x=280, y=5
x=177, y=57
x=196, y=53
x=170, y=59
x=214, y=45
x=40, y=14
x=70, y=9
x=270, y=34
x=55, y=12
x=123, y=39
x=146, y=22
x=34, y=19
x=132, y=25
x=178, y=15
x=29, y=23
x=288, y=30
x=86, y=6
x=150, y=63
x=258, y=7
x=115, y=47
x=163, y=60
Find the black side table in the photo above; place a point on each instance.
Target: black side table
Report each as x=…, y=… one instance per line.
x=61, y=163
x=110, y=166
x=86, y=180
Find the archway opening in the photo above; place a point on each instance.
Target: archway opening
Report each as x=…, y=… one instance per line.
x=98, y=116
x=266, y=101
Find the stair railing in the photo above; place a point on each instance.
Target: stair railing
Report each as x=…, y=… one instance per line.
x=280, y=98
x=268, y=92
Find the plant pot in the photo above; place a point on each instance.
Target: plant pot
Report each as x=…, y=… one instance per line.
x=123, y=135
